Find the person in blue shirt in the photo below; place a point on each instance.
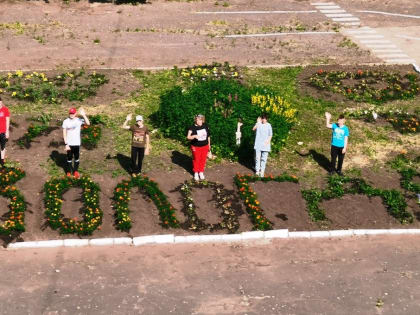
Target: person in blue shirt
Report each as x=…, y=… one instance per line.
x=339, y=142
x=262, y=144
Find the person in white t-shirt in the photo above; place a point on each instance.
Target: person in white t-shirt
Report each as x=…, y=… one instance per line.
x=72, y=139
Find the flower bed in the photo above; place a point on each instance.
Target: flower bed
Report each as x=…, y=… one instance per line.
x=375, y=87
x=256, y=213
x=122, y=197
x=214, y=71
x=339, y=186
x=37, y=87
x=92, y=134
x=92, y=214
x=33, y=132
x=401, y=121
x=224, y=199
x=15, y=217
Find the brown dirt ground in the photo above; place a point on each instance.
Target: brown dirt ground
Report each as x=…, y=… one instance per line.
x=162, y=34
x=378, y=20
x=284, y=206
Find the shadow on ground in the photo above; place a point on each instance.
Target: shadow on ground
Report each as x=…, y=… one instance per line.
x=60, y=159
x=182, y=160
x=321, y=159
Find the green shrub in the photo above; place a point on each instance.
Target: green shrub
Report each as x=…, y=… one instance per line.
x=224, y=103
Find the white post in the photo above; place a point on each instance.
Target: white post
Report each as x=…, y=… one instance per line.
x=238, y=133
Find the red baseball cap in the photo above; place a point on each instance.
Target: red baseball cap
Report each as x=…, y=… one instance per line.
x=72, y=110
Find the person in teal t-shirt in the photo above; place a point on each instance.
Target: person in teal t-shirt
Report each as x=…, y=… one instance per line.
x=339, y=142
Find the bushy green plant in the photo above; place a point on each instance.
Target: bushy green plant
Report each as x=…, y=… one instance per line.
x=224, y=103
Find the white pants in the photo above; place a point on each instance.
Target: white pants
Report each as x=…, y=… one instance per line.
x=260, y=161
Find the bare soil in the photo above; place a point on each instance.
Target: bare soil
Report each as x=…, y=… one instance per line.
x=284, y=206
x=379, y=20
x=163, y=33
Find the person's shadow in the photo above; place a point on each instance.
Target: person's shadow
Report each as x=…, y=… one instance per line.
x=183, y=160
x=60, y=159
x=321, y=159
x=125, y=162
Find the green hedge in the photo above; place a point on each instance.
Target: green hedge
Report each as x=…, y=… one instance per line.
x=223, y=102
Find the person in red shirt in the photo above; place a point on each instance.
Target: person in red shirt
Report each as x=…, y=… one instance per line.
x=4, y=129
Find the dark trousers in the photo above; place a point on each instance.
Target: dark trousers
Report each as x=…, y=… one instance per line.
x=73, y=152
x=336, y=152
x=137, y=155
x=3, y=141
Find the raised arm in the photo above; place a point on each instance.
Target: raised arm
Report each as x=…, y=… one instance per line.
x=256, y=125
x=328, y=119
x=125, y=124
x=83, y=113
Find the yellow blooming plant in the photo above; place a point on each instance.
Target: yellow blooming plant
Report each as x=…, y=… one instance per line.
x=214, y=71
x=275, y=104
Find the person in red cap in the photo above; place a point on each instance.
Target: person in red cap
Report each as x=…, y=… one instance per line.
x=4, y=130
x=72, y=139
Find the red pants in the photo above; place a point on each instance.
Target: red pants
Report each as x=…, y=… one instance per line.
x=199, y=158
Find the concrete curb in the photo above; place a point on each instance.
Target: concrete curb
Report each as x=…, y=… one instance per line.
x=202, y=239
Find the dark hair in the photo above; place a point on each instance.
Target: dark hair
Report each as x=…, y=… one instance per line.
x=264, y=116
x=341, y=116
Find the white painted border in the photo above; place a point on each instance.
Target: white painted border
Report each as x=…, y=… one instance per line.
x=408, y=37
x=277, y=34
x=216, y=238
x=254, y=12
x=393, y=14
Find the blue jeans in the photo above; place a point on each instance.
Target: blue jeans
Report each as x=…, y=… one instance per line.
x=260, y=161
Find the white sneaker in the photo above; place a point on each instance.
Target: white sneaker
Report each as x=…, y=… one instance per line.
x=257, y=173
x=201, y=174
x=196, y=177
x=261, y=174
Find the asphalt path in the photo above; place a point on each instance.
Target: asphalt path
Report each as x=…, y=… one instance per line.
x=359, y=275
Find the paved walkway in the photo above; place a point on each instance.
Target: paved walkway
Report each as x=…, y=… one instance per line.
x=360, y=275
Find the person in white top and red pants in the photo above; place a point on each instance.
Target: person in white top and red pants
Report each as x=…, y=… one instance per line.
x=4, y=130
